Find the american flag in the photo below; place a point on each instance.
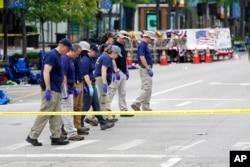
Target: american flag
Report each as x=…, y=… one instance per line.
x=106, y=4
x=180, y=33
x=205, y=38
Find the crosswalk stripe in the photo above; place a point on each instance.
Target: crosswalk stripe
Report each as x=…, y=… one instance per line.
x=75, y=144
x=16, y=146
x=151, y=156
x=170, y=162
x=128, y=145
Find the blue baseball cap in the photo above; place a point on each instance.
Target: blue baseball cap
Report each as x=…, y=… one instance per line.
x=94, y=46
x=67, y=42
x=116, y=49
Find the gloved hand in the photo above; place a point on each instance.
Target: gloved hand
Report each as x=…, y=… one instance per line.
x=105, y=88
x=48, y=95
x=76, y=91
x=96, y=88
x=91, y=91
x=127, y=75
x=150, y=72
x=113, y=77
x=85, y=90
x=117, y=76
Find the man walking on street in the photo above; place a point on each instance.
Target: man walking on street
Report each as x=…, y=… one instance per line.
x=121, y=74
x=71, y=90
x=51, y=85
x=146, y=63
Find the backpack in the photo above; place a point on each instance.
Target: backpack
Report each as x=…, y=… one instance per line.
x=4, y=99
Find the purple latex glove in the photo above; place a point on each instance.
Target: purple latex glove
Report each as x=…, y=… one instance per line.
x=48, y=95
x=127, y=75
x=85, y=90
x=150, y=72
x=117, y=76
x=76, y=91
x=105, y=88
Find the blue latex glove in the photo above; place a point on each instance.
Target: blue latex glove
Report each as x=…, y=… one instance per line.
x=85, y=90
x=48, y=95
x=150, y=72
x=105, y=88
x=91, y=91
x=96, y=88
x=127, y=75
x=117, y=76
x=76, y=91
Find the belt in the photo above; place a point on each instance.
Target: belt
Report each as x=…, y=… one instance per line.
x=78, y=81
x=142, y=66
x=93, y=80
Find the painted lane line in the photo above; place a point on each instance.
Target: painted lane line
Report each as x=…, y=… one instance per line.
x=242, y=145
x=128, y=145
x=191, y=145
x=184, y=103
x=178, y=87
x=17, y=146
x=221, y=103
x=199, y=99
x=151, y=156
x=76, y=144
x=170, y=162
x=236, y=84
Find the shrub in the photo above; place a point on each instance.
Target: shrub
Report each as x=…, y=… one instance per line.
x=17, y=55
x=32, y=55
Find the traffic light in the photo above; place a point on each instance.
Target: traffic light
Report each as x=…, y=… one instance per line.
x=99, y=15
x=201, y=9
x=212, y=9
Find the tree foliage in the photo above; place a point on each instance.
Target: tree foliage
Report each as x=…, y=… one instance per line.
x=60, y=10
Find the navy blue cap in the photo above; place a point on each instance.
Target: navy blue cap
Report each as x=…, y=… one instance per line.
x=67, y=43
x=94, y=46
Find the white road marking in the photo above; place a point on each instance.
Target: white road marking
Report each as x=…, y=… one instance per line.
x=221, y=103
x=128, y=145
x=199, y=99
x=242, y=145
x=184, y=103
x=191, y=145
x=182, y=148
x=75, y=144
x=221, y=83
x=177, y=87
x=170, y=162
x=16, y=146
x=154, y=156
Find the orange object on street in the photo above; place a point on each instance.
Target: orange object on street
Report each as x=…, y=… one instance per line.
x=164, y=60
x=196, y=59
x=208, y=58
x=129, y=59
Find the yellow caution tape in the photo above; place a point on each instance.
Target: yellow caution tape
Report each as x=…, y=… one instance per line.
x=18, y=35
x=155, y=113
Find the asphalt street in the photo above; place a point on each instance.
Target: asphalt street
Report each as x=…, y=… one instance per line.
x=181, y=140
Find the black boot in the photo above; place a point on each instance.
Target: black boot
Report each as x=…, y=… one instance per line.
x=58, y=141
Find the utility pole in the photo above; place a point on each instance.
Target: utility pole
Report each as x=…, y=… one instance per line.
x=157, y=15
x=5, y=29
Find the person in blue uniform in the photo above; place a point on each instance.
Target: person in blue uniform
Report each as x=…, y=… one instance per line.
x=104, y=69
x=91, y=94
x=51, y=85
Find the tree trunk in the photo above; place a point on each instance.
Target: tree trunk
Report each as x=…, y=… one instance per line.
x=169, y=15
x=109, y=15
x=42, y=30
x=24, y=46
x=243, y=3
